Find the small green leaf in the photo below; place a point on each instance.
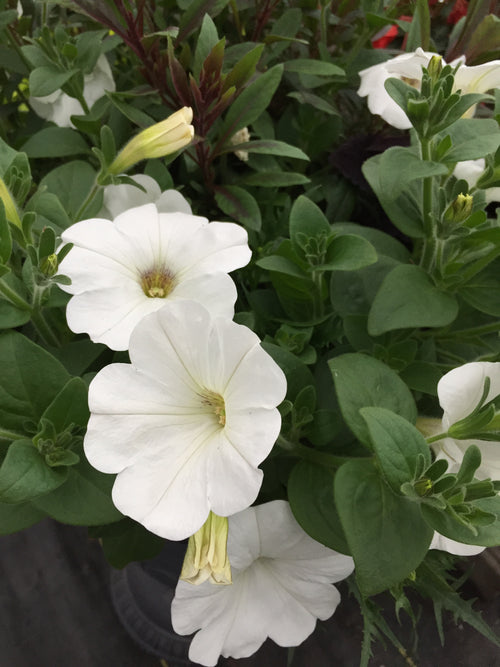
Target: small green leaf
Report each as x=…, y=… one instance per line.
x=281, y=265
x=46, y=80
x=397, y=445
x=24, y=475
x=18, y=517
x=348, y=253
x=267, y=147
x=207, y=39
x=447, y=525
x=126, y=541
x=408, y=298
x=275, y=179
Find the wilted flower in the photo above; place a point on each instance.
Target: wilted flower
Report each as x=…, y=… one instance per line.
x=58, y=107
x=281, y=585
x=119, y=198
x=460, y=391
x=159, y=140
x=123, y=270
x=407, y=67
x=186, y=424
x=206, y=555
x=470, y=171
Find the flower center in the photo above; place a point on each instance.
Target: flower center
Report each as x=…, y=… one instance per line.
x=215, y=404
x=157, y=283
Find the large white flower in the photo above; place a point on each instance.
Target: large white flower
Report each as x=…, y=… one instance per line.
x=186, y=424
x=281, y=584
x=119, y=198
x=123, y=270
x=408, y=67
x=470, y=171
x=459, y=393
x=58, y=107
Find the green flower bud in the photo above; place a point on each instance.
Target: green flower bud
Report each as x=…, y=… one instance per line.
x=460, y=209
x=10, y=208
x=434, y=67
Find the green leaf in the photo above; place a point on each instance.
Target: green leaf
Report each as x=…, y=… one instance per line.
x=244, y=69
x=240, y=205
x=362, y=381
x=348, y=253
x=472, y=138
x=207, y=39
x=84, y=499
x=18, y=517
x=281, y=265
x=70, y=406
x=422, y=376
x=310, y=493
x=307, y=220
x=71, y=183
x=447, y=525
x=419, y=33
x=305, y=97
x=252, y=102
x=408, y=298
x=275, y=179
x=25, y=394
x=297, y=373
x=49, y=211
x=46, y=80
x=397, y=445
x=194, y=14
x=483, y=290
x=312, y=66
x=267, y=147
x=55, y=142
x=24, y=475
x=386, y=534
x=5, y=236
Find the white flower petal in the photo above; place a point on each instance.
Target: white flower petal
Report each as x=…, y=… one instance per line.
x=451, y=546
x=268, y=391
x=270, y=596
x=478, y=78
x=459, y=390
x=112, y=259
x=407, y=66
x=172, y=201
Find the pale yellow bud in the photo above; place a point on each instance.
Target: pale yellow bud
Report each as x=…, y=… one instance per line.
x=159, y=140
x=241, y=137
x=9, y=205
x=206, y=555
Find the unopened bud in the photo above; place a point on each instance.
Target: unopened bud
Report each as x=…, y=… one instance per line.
x=159, y=140
x=206, y=555
x=10, y=208
x=460, y=209
x=434, y=67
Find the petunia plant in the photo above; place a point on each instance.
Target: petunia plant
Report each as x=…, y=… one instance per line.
x=249, y=279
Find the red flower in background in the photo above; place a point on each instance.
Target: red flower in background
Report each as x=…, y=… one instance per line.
x=459, y=9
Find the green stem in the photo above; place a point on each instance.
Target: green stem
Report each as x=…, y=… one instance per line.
x=313, y=455
x=86, y=203
x=39, y=322
x=323, y=24
x=317, y=278
x=13, y=296
x=435, y=438
x=428, y=259
x=10, y=435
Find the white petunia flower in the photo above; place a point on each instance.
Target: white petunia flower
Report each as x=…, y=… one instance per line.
x=459, y=393
x=408, y=67
x=186, y=424
x=123, y=270
x=59, y=107
x=281, y=584
x=476, y=79
x=470, y=171
x=119, y=198
x=443, y=543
